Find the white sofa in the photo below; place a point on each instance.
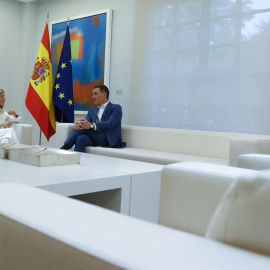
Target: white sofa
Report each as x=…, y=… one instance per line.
x=24, y=133
x=42, y=230
x=165, y=146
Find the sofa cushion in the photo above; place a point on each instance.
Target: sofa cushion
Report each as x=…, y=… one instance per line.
x=243, y=215
x=151, y=156
x=187, y=142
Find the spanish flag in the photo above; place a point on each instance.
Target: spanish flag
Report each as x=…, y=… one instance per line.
x=39, y=99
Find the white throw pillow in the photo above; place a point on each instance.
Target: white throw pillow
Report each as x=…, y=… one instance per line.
x=243, y=215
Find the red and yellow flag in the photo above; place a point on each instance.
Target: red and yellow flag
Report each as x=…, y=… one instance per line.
x=39, y=99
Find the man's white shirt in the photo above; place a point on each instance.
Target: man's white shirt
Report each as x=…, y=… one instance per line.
x=100, y=112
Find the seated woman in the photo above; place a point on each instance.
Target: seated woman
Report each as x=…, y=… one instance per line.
x=7, y=134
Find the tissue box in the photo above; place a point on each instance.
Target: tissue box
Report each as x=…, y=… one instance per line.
x=6, y=147
x=44, y=157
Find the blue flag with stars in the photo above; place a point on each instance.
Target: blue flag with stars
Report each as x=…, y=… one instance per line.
x=63, y=85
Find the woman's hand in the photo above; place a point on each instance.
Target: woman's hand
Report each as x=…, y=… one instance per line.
x=6, y=125
x=12, y=112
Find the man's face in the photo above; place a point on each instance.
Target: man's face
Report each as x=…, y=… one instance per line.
x=99, y=98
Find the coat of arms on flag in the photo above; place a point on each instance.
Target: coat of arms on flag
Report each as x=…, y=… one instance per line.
x=41, y=70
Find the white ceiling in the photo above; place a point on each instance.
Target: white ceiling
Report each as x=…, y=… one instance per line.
x=36, y=1
x=25, y=1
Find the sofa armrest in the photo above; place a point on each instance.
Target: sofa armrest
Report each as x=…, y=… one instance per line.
x=247, y=145
x=62, y=233
x=254, y=162
x=63, y=131
x=190, y=193
x=24, y=133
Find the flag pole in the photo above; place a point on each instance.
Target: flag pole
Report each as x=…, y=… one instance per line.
x=40, y=136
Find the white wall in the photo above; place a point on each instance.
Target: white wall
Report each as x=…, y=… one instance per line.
x=29, y=40
x=10, y=67
x=27, y=22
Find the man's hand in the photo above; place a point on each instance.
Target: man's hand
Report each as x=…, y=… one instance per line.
x=82, y=124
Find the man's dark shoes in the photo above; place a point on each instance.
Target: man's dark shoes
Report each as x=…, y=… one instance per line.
x=65, y=147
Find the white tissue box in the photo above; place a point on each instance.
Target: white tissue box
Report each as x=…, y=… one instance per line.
x=44, y=157
x=6, y=147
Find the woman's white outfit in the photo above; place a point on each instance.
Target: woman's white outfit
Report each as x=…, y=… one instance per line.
x=8, y=135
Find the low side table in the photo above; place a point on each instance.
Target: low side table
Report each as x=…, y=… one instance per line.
x=145, y=182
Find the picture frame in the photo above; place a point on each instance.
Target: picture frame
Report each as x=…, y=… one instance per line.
x=90, y=37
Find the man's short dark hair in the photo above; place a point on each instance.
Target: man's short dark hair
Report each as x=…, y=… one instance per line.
x=103, y=89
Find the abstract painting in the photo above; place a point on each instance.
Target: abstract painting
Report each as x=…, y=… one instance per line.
x=90, y=37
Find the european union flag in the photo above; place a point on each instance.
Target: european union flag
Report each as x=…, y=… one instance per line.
x=63, y=86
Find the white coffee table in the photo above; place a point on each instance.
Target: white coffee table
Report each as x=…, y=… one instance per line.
x=72, y=180
x=127, y=186
x=145, y=182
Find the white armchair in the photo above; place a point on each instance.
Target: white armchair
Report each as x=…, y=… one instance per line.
x=190, y=193
x=24, y=133
x=64, y=130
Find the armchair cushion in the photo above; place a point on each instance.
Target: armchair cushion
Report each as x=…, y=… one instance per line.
x=254, y=161
x=243, y=215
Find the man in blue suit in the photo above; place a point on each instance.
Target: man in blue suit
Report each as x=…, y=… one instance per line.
x=101, y=127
